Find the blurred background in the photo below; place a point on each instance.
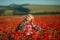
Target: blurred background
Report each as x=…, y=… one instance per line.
x=22, y=7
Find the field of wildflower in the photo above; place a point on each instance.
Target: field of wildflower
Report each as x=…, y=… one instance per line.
x=50, y=25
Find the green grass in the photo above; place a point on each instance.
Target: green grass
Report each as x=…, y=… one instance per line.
x=34, y=9
x=43, y=8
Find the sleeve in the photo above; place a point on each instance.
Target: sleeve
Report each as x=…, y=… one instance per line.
x=37, y=28
x=19, y=27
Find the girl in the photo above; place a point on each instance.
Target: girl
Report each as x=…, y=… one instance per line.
x=27, y=26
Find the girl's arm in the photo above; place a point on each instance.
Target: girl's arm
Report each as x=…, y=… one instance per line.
x=37, y=28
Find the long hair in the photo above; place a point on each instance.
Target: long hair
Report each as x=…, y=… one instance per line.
x=21, y=26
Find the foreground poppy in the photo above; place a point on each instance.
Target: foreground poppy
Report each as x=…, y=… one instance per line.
x=19, y=32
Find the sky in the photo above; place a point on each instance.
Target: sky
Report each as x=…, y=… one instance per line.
x=44, y=2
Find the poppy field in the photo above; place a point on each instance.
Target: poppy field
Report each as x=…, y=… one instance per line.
x=50, y=25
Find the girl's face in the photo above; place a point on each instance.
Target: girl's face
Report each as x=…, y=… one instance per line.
x=29, y=18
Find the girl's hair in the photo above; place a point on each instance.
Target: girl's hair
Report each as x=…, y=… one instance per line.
x=23, y=21
x=31, y=16
x=25, y=18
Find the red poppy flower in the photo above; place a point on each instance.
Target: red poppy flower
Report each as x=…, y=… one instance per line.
x=4, y=34
x=46, y=38
x=49, y=32
x=39, y=37
x=12, y=35
x=53, y=38
x=58, y=37
x=45, y=33
x=1, y=28
x=15, y=38
x=19, y=32
x=55, y=32
x=4, y=39
x=34, y=35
